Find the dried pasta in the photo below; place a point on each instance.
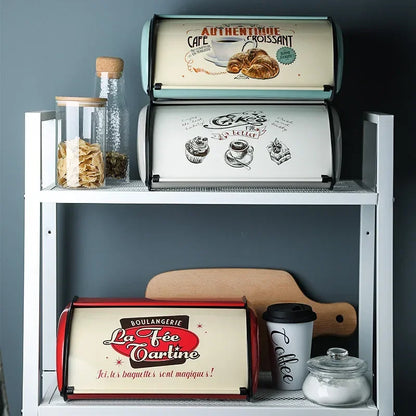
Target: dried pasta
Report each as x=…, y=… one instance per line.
x=80, y=164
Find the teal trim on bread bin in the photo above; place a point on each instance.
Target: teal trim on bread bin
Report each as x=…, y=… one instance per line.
x=144, y=55
x=174, y=16
x=183, y=94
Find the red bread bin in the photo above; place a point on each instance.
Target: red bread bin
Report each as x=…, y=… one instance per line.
x=143, y=348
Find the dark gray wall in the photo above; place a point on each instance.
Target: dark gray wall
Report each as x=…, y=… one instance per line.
x=48, y=48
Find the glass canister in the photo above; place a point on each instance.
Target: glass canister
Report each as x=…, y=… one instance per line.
x=110, y=84
x=80, y=135
x=336, y=379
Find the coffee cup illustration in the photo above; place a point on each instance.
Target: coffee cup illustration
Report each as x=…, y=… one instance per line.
x=239, y=154
x=226, y=46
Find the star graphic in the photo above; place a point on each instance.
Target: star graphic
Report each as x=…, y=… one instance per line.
x=119, y=361
x=199, y=325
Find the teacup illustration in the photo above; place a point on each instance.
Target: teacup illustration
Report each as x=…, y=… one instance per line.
x=239, y=154
x=226, y=46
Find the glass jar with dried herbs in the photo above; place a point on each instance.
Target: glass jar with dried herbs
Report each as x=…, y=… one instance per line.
x=110, y=84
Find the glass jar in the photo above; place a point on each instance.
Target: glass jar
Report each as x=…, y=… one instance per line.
x=80, y=135
x=336, y=379
x=110, y=84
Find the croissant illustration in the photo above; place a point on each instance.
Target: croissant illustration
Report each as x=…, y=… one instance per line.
x=236, y=62
x=255, y=63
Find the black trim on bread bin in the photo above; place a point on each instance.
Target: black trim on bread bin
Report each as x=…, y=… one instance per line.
x=64, y=392
x=149, y=145
x=333, y=145
x=244, y=392
x=332, y=90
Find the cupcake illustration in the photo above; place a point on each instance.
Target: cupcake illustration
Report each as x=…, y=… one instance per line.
x=196, y=149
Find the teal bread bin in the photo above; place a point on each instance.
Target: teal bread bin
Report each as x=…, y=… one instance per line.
x=241, y=58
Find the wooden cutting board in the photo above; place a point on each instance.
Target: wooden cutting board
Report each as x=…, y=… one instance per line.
x=261, y=287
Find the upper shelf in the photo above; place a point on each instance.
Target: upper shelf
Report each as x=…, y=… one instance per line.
x=344, y=193
x=377, y=151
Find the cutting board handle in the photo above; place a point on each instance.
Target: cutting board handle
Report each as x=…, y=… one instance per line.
x=338, y=319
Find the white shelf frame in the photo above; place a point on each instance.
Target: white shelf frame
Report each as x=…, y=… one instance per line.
x=374, y=196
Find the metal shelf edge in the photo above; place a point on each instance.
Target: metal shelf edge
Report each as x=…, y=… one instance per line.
x=53, y=404
x=138, y=194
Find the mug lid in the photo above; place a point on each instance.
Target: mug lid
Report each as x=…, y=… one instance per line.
x=289, y=313
x=337, y=364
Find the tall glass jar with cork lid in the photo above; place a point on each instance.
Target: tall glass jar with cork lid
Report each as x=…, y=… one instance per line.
x=80, y=136
x=110, y=84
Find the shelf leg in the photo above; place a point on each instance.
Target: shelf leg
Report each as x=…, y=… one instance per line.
x=384, y=262
x=366, y=286
x=31, y=358
x=49, y=294
x=32, y=264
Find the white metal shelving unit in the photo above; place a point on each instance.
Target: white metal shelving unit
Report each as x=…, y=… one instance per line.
x=373, y=194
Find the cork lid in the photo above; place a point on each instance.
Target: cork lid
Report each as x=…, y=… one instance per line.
x=113, y=66
x=81, y=101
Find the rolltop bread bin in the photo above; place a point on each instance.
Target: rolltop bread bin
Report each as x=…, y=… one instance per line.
x=239, y=145
x=241, y=57
x=142, y=348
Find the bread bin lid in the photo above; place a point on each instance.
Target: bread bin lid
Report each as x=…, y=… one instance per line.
x=241, y=57
x=144, y=348
x=245, y=144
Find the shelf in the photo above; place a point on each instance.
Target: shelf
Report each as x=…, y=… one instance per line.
x=266, y=402
x=344, y=193
x=375, y=303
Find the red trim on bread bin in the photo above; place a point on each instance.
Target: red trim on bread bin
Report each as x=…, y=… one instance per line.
x=255, y=357
x=60, y=346
x=110, y=302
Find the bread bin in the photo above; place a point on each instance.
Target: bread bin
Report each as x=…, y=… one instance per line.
x=142, y=348
x=239, y=145
x=241, y=57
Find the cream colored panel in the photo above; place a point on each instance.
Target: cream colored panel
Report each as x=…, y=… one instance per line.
x=217, y=364
x=194, y=53
x=283, y=142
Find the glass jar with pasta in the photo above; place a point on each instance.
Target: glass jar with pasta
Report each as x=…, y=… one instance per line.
x=80, y=135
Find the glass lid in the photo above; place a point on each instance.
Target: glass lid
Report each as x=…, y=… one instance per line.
x=338, y=364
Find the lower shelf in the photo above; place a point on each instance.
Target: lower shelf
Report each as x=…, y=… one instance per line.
x=266, y=402
x=343, y=193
